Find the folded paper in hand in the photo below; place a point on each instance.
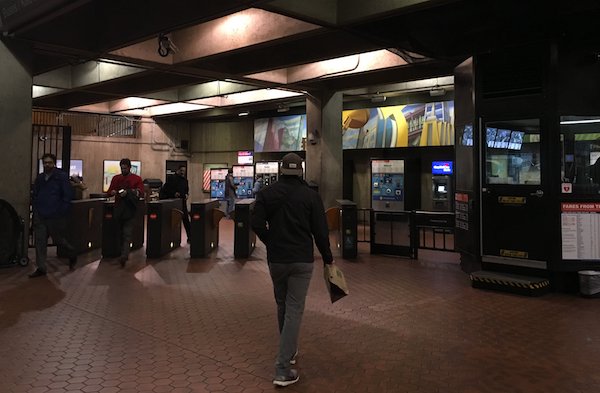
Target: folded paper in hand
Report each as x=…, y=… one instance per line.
x=335, y=282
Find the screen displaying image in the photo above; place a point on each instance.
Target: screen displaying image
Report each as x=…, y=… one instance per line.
x=467, y=137
x=112, y=168
x=76, y=167
x=502, y=139
x=285, y=133
x=490, y=136
x=441, y=188
x=516, y=140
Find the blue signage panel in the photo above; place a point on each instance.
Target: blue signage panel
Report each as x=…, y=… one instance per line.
x=441, y=168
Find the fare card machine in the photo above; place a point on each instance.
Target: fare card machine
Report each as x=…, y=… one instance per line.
x=217, y=182
x=387, y=185
x=243, y=178
x=268, y=171
x=441, y=183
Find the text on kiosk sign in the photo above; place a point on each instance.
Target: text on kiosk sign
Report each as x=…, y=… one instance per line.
x=441, y=167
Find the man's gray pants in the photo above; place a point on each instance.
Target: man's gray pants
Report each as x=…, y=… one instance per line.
x=54, y=227
x=290, y=286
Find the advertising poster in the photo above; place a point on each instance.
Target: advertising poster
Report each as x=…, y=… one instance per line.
x=112, y=168
x=285, y=133
x=430, y=124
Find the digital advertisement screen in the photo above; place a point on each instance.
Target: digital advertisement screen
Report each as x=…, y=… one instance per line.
x=112, y=168
x=284, y=133
x=76, y=168
x=502, y=139
x=516, y=140
x=490, y=136
x=467, y=137
x=441, y=168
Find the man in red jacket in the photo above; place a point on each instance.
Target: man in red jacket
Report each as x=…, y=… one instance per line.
x=286, y=217
x=127, y=188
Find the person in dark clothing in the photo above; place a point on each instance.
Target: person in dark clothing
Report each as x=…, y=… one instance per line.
x=52, y=195
x=177, y=186
x=127, y=188
x=230, y=189
x=286, y=217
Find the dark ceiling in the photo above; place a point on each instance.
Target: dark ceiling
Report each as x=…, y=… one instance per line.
x=432, y=36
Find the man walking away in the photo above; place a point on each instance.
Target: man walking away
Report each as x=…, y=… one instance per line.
x=287, y=215
x=177, y=186
x=52, y=195
x=230, y=189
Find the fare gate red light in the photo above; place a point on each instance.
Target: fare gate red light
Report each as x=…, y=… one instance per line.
x=196, y=216
x=153, y=216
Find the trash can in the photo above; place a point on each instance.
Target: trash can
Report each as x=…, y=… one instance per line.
x=589, y=283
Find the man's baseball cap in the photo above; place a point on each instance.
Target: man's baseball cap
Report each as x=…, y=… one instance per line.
x=291, y=164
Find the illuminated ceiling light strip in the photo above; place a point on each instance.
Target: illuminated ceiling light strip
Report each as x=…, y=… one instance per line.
x=584, y=121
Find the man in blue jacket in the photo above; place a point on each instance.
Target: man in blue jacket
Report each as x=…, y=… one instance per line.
x=286, y=217
x=52, y=195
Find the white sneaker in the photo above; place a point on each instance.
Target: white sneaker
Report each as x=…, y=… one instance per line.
x=286, y=380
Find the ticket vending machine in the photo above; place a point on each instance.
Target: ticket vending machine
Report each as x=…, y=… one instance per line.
x=217, y=182
x=387, y=185
x=268, y=171
x=441, y=183
x=243, y=178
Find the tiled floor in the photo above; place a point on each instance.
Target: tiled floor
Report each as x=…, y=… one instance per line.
x=209, y=325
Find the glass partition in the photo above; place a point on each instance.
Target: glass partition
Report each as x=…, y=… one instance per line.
x=580, y=139
x=512, y=151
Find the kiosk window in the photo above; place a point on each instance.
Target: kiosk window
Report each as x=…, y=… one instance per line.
x=580, y=142
x=513, y=152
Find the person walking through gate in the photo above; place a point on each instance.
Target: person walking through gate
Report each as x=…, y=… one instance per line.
x=286, y=217
x=52, y=195
x=230, y=189
x=177, y=186
x=127, y=188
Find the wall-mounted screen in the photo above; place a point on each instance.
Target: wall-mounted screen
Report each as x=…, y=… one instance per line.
x=285, y=133
x=502, y=139
x=467, y=137
x=76, y=167
x=112, y=168
x=516, y=140
x=425, y=124
x=245, y=157
x=490, y=136
x=441, y=168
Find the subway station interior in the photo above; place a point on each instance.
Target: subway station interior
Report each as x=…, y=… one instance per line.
x=455, y=145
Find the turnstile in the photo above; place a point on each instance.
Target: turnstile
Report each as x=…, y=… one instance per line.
x=244, y=238
x=84, y=225
x=111, y=233
x=348, y=227
x=163, y=227
x=204, y=227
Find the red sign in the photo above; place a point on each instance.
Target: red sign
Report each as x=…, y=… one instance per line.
x=461, y=197
x=580, y=207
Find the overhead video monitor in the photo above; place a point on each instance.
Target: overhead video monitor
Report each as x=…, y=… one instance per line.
x=467, y=137
x=490, y=136
x=516, y=140
x=502, y=139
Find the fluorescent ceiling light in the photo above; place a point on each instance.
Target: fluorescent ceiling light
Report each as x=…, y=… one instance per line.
x=582, y=121
x=246, y=113
x=247, y=97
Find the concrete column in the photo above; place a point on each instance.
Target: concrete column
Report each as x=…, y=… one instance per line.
x=324, y=145
x=15, y=129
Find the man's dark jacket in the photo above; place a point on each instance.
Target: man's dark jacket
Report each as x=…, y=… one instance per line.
x=294, y=214
x=52, y=197
x=175, y=183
